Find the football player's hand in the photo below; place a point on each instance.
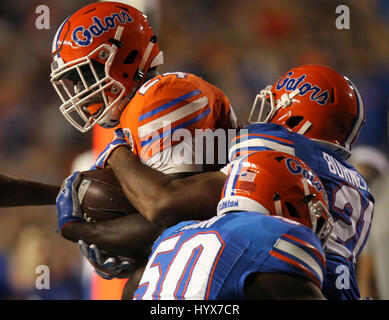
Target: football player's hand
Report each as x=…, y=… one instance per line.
x=118, y=140
x=105, y=266
x=67, y=204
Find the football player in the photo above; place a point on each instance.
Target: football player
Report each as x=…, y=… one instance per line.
x=265, y=242
x=20, y=192
x=105, y=59
x=104, y=68
x=316, y=114
x=312, y=112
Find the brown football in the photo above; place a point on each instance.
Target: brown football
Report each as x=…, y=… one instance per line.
x=101, y=196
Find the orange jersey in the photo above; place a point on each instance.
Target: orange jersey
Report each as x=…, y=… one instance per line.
x=154, y=118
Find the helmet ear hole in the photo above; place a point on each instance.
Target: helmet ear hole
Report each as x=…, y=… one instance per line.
x=294, y=121
x=279, y=159
x=131, y=57
x=292, y=210
x=320, y=222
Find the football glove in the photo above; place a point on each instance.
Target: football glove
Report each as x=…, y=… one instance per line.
x=67, y=204
x=107, y=267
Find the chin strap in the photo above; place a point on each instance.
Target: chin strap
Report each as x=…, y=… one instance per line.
x=304, y=128
x=285, y=101
x=308, y=197
x=277, y=204
x=116, y=40
x=140, y=73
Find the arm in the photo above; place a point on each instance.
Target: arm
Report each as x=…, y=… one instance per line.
x=278, y=286
x=163, y=199
x=18, y=192
x=129, y=236
x=132, y=284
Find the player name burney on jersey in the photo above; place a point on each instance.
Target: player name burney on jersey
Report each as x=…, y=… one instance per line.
x=350, y=175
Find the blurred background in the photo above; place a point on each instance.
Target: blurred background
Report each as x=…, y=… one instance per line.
x=239, y=46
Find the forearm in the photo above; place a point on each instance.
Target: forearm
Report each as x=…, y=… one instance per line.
x=161, y=198
x=128, y=236
x=18, y=192
x=143, y=186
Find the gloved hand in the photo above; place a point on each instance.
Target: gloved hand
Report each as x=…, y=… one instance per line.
x=106, y=266
x=68, y=206
x=118, y=140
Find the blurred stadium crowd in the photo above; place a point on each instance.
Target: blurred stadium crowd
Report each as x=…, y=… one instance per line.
x=240, y=46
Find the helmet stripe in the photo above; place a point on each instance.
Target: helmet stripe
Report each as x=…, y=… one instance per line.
x=55, y=44
x=233, y=176
x=358, y=120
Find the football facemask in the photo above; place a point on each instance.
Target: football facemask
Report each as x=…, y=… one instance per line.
x=89, y=95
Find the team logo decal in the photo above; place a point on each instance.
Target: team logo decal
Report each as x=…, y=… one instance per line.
x=290, y=84
x=84, y=36
x=128, y=135
x=294, y=167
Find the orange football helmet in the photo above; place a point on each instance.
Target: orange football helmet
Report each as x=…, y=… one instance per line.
x=279, y=184
x=101, y=55
x=317, y=102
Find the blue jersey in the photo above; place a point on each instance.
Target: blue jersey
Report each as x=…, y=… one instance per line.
x=350, y=201
x=211, y=259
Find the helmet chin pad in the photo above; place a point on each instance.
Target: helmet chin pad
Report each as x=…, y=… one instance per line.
x=109, y=123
